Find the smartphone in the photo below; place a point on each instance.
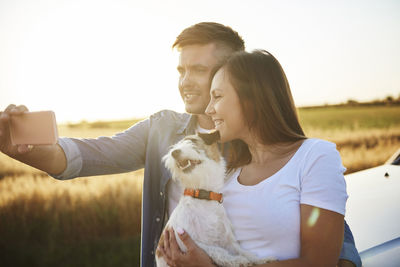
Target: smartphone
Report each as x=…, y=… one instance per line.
x=34, y=128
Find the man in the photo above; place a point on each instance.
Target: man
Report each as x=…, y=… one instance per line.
x=202, y=47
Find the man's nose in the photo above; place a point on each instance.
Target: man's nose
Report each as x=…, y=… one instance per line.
x=186, y=80
x=175, y=153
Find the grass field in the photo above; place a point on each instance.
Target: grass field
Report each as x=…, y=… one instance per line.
x=95, y=221
x=365, y=136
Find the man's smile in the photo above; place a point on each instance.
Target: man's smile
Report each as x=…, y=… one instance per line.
x=190, y=96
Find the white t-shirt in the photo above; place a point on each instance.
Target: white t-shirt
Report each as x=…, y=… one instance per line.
x=266, y=216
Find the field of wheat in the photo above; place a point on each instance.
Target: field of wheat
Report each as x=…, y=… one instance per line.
x=91, y=221
x=365, y=136
x=95, y=221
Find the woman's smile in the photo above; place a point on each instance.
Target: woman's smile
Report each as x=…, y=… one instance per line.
x=217, y=122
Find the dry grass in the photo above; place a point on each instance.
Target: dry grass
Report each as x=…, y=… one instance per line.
x=362, y=149
x=78, y=209
x=89, y=204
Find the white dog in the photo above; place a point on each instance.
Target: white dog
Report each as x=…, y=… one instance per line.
x=196, y=163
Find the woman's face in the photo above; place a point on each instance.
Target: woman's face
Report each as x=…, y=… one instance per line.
x=225, y=110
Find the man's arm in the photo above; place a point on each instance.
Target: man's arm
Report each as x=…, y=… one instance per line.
x=349, y=256
x=72, y=157
x=48, y=158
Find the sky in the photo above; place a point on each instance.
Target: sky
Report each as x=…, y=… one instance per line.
x=112, y=59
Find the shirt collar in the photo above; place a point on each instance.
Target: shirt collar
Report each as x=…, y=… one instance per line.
x=189, y=125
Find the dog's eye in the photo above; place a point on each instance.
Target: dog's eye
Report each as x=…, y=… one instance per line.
x=193, y=140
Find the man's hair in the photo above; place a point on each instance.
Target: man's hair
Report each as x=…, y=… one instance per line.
x=209, y=32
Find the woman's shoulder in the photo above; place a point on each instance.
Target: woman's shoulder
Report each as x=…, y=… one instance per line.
x=316, y=146
x=315, y=149
x=320, y=153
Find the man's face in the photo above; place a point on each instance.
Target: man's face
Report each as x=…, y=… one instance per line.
x=196, y=63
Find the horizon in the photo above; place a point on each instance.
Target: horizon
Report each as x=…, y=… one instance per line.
x=368, y=104
x=101, y=60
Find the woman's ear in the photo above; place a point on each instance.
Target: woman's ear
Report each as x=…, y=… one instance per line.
x=209, y=138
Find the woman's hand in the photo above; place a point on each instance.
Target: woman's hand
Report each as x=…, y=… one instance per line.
x=194, y=256
x=345, y=263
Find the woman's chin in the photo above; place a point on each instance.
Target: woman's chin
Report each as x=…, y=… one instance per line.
x=223, y=138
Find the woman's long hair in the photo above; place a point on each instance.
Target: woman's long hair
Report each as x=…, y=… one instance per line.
x=266, y=102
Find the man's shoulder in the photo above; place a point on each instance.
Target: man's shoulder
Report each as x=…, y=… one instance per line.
x=170, y=117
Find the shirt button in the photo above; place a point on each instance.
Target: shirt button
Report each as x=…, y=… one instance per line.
x=152, y=252
x=161, y=193
x=157, y=219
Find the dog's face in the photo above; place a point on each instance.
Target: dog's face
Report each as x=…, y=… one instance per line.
x=195, y=157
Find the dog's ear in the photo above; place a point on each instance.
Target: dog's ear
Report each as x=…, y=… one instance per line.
x=209, y=138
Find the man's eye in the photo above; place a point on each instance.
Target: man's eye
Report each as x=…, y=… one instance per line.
x=200, y=70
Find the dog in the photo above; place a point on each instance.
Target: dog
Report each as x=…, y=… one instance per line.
x=197, y=164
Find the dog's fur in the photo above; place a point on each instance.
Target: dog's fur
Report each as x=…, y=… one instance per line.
x=195, y=162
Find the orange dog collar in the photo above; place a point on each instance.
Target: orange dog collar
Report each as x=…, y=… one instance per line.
x=203, y=194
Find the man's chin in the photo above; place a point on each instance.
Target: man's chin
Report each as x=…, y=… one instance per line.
x=194, y=110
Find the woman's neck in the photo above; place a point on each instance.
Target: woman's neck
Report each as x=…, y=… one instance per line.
x=266, y=160
x=262, y=154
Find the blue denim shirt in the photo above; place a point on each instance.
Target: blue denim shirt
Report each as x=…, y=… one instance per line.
x=142, y=146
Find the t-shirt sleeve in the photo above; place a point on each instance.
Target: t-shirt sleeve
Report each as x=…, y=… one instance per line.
x=322, y=181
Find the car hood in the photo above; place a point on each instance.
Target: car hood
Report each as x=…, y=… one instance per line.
x=372, y=209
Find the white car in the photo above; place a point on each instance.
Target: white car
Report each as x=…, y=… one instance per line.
x=373, y=213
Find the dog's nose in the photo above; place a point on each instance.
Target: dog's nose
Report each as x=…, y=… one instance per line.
x=176, y=153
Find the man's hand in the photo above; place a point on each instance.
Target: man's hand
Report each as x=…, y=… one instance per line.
x=5, y=140
x=48, y=158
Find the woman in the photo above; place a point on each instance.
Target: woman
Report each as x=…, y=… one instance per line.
x=286, y=193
